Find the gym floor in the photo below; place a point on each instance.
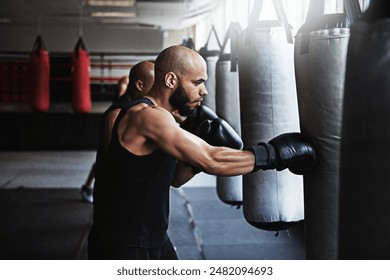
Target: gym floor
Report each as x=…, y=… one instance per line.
x=43, y=217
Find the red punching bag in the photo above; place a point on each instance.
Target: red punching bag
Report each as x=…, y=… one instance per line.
x=40, y=77
x=81, y=95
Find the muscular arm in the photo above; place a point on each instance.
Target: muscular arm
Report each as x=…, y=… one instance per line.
x=160, y=127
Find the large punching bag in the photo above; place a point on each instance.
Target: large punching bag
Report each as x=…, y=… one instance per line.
x=227, y=93
x=320, y=57
x=81, y=94
x=272, y=200
x=211, y=58
x=40, y=77
x=365, y=146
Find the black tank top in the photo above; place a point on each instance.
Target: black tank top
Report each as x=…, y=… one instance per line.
x=101, y=150
x=131, y=202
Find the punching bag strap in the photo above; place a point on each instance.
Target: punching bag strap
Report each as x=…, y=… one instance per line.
x=234, y=41
x=212, y=31
x=352, y=10
x=316, y=8
x=39, y=44
x=233, y=33
x=256, y=10
x=80, y=45
x=283, y=18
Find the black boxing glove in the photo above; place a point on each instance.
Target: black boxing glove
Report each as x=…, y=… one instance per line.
x=290, y=150
x=200, y=114
x=218, y=132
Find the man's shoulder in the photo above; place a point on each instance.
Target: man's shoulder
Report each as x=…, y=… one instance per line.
x=152, y=111
x=153, y=116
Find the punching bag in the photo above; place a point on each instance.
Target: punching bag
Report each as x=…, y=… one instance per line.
x=365, y=151
x=227, y=93
x=40, y=77
x=320, y=58
x=272, y=200
x=211, y=58
x=81, y=94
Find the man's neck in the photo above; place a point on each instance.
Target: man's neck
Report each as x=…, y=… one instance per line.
x=159, y=99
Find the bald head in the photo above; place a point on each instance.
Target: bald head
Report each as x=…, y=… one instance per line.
x=180, y=74
x=141, y=78
x=177, y=59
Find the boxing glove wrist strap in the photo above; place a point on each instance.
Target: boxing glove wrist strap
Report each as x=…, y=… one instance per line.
x=265, y=157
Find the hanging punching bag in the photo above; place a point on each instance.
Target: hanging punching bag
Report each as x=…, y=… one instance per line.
x=227, y=93
x=364, y=166
x=272, y=200
x=81, y=95
x=211, y=58
x=40, y=77
x=320, y=57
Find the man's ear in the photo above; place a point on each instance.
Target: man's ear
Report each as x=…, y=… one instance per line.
x=171, y=80
x=139, y=85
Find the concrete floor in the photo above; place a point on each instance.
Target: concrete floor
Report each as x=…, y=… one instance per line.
x=201, y=226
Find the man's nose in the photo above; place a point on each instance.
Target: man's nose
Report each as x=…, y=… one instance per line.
x=204, y=91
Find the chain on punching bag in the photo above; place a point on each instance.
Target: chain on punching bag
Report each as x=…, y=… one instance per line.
x=81, y=95
x=320, y=58
x=229, y=189
x=211, y=58
x=364, y=160
x=272, y=200
x=40, y=77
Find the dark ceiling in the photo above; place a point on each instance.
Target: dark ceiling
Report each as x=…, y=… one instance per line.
x=164, y=14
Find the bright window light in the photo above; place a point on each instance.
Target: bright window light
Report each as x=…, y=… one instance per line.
x=113, y=3
x=114, y=14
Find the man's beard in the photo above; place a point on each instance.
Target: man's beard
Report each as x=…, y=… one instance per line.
x=179, y=100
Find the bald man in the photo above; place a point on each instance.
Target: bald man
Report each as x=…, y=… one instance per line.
x=149, y=152
x=141, y=78
x=137, y=84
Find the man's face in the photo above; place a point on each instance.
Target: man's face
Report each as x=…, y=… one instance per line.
x=190, y=92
